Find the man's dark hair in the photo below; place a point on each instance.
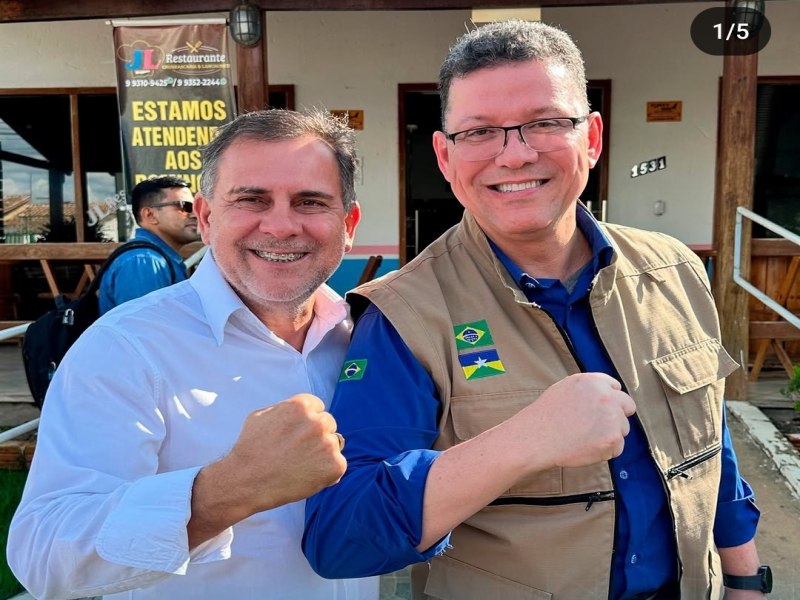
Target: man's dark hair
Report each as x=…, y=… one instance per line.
x=505, y=42
x=279, y=125
x=151, y=191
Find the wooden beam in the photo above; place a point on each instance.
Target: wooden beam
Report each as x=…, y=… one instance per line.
x=734, y=187
x=251, y=75
x=773, y=247
x=86, y=251
x=61, y=10
x=24, y=160
x=79, y=185
x=773, y=330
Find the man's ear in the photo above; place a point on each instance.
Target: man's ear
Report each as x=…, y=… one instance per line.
x=202, y=209
x=442, y=151
x=148, y=216
x=351, y=221
x=595, y=141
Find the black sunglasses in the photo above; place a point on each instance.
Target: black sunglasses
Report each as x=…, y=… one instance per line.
x=181, y=205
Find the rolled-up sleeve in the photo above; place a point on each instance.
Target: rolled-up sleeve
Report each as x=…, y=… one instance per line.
x=371, y=521
x=737, y=515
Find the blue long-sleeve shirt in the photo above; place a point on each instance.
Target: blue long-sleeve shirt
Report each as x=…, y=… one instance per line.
x=139, y=272
x=371, y=522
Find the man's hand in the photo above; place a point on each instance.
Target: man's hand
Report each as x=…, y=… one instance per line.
x=579, y=421
x=284, y=453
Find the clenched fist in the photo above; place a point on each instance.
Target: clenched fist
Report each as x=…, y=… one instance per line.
x=581, y=420
x=284, y=453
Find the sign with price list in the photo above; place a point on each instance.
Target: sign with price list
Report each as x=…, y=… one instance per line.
x=175, y=90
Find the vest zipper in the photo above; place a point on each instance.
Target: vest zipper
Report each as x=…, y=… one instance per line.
x=693, y=462
x=589, y=498
x=596, y=496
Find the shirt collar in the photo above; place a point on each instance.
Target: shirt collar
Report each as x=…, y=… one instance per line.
x=220, y=302
x=602, y=250
x=149, y=236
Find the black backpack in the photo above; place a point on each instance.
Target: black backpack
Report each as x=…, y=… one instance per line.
x=49, y=337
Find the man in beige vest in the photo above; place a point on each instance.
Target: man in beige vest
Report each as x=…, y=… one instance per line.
x=534, y=406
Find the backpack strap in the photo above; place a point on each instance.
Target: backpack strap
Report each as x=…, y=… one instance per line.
x=127, y=246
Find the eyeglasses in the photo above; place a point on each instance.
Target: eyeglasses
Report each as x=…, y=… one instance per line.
x=181, y=205
x=542, y=135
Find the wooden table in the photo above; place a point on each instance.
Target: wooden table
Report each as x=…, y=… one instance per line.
x=88, y=255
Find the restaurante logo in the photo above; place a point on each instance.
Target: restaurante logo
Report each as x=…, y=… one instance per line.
x=140, y=58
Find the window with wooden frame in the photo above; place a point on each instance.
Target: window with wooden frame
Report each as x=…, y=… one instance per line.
x=61, y=166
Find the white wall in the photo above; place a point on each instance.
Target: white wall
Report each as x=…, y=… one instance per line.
x=647, y=52
x=62, y=54
x=356, y=59
x=367, y=55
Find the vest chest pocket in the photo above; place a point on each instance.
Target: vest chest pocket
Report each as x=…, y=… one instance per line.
x=472, y=415
x=692, y=379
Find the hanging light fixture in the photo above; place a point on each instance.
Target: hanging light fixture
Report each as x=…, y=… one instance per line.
x=750, y=12
x=245, y=24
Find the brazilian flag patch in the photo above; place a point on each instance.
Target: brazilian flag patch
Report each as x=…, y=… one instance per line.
x=353, y=370
x=473, y=335
x=485, y=363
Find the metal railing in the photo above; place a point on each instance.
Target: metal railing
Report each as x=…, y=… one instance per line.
x=19, y=331
x=741, y=213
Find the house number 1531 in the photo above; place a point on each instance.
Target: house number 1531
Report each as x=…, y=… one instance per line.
x=649, y=166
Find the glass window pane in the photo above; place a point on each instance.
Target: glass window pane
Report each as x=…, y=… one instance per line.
x=36, y=188
x=108, y=215
x=777, y=180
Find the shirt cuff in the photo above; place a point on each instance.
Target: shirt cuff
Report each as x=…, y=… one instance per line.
x=147, y=529
x=408, y=473
x=736, y=521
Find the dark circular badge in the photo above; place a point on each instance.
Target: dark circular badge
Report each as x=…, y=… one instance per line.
x=726, y=31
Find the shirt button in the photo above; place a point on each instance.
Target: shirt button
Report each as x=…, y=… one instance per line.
x=623, y=474
x=634, y=559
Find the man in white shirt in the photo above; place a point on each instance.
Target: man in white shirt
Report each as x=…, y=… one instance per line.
x=183, y=430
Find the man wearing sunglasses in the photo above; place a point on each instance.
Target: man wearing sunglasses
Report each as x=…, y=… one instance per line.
x=163, y=209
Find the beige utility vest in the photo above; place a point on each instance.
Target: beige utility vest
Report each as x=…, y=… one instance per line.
x=551, y=535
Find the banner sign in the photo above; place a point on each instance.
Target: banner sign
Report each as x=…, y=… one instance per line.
x=175, y=90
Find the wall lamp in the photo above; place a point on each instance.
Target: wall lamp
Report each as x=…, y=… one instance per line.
x=750, y=12
x=245, y=24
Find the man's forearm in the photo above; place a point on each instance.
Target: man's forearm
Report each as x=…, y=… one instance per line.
x=741, y=560
x=215, y=505
x=463, y=480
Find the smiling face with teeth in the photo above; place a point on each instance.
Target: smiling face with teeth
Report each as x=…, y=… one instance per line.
x=520, y=196
x=277, y=224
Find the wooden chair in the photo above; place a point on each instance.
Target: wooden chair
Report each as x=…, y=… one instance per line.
x=370, y=269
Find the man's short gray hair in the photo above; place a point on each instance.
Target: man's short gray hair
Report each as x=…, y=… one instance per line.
x=504, y=42
x=279, y=125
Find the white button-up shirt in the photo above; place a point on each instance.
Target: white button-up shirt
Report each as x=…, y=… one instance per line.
x=150, y=393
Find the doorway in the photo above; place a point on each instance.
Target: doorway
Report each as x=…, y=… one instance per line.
x=776, y=187
x=427, y=205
